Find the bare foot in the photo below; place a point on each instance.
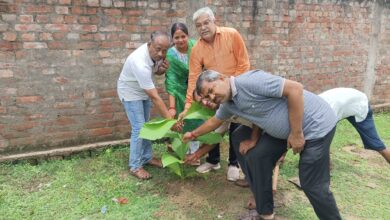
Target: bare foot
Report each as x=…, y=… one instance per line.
x=141, y=174
x=155, y=162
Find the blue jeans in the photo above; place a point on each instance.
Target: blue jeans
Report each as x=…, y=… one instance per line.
x=367, y=132
x=138, y=113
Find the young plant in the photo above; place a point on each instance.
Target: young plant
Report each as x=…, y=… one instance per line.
x=161, y=128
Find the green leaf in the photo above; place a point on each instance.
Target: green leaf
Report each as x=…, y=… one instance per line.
x=197, y=111
x=172, y=163
x=168, y=159
x=173, y=134
x=157, y=128
x=175, y=167
x=210, y=138
x=180, y=148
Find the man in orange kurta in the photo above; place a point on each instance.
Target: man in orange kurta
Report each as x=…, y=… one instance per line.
x=221, y=49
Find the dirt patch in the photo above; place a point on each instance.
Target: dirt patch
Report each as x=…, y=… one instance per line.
x=212, y=195
x=208, y=194
x=373, y=157
x=37, y=184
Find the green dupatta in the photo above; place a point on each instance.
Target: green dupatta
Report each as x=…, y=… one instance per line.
x=176, y=80
x=176, y=83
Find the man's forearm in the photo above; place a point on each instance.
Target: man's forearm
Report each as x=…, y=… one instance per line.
x=159, y=103
x=204, y=149
x=208, y=126
x=295, y=111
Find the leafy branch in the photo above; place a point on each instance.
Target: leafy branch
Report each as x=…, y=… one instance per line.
x=161, y=128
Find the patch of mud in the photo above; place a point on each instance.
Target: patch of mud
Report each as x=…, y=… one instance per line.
x=37, y=184
x=370, y=155
x=199, y=197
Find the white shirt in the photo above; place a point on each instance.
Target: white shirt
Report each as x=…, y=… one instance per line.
x=136, y=75
x=347, y=102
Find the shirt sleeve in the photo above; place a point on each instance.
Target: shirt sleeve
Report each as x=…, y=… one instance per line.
x=263, y=84
x=143, y=74
x=241, y=54
x=223, y=113
x=195, y=68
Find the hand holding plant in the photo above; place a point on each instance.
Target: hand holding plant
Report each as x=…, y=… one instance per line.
x=171, y=128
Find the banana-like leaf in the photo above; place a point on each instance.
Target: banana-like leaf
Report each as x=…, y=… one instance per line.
x=173, y=134
x=197, y=111
x=180, y=148
x=175, y=167
x=157, y=128
x=210, y=138
x=172, y=163
x=168, y=159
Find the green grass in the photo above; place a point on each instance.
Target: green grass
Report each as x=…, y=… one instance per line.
x=360, y=186
x=75, y=189
x=78, y=188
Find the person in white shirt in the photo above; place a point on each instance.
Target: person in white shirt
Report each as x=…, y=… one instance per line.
x=136, y=91
x=353, y=105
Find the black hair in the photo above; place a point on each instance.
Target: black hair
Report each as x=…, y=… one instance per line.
x=179, y=26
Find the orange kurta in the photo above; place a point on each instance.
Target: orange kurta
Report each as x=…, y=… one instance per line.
x=226, y=55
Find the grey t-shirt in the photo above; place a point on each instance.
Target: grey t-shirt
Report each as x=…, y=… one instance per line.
x=259, y=99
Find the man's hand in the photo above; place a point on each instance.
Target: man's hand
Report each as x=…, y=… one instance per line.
x=178, y=126
x=191, y=158
x=246, y=145
x=188, y=136
x=296, y=142
x=162, y=67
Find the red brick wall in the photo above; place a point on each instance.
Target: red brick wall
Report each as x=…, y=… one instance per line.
x=60, y=59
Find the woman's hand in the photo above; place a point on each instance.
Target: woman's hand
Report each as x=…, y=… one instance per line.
x=172, y=112
x=182, y=115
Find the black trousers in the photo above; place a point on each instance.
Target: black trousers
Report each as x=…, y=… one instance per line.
x=314, y=172
x=215, y=154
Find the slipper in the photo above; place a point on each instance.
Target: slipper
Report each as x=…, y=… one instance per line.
x=268, y=217
x=141, y=174
x=155, y=162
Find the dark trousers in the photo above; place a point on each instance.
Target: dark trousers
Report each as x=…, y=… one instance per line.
x=314, y=174
x=215, y=154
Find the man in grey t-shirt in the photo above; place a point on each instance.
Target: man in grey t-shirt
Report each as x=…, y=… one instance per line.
x=290, y=117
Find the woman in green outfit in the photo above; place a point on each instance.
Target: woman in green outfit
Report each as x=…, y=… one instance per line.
x=177, y=75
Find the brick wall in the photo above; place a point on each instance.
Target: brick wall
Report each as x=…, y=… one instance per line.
x=60, y=59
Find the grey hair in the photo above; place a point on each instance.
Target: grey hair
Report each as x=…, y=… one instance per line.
x=202, y=11
x=156, y=34
x=208, y=76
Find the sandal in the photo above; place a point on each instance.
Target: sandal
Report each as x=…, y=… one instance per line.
x=155, y=162
x=141, y=174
